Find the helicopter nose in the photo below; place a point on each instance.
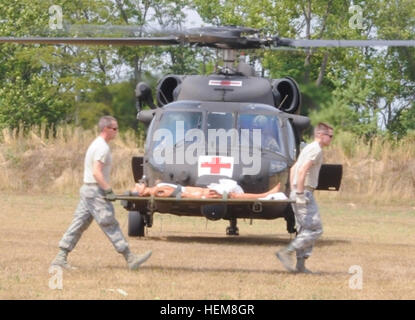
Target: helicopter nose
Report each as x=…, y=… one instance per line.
x=247, y=179
x=182, y=177
x=250, y=180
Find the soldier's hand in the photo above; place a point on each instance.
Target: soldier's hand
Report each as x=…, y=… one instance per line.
x=293, y=195
x=110, y=195
x=300, y=199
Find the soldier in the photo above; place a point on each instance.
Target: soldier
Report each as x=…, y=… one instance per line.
x=95, y=195
x=303, y=180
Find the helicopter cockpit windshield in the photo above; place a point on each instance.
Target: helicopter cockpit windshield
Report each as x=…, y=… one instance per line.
x=178, y=123
x=172, y=129
x=267, y=126
x=178, y=128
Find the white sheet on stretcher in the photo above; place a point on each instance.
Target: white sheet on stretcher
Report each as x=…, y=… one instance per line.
x=229, y=185
x=226, y=185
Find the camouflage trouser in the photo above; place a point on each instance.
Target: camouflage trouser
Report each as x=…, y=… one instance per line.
x=93, y=206
x=308, y=225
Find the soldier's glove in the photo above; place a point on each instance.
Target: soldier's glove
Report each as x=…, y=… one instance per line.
x=300, y=198
x=109, y=195
x=293, y=195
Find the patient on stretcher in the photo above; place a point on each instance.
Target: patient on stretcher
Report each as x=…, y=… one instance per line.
x=225, y=188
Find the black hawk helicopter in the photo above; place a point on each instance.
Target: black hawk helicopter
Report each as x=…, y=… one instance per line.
x=228, y=125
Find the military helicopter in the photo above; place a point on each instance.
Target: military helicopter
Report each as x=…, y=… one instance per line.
x=228, y=125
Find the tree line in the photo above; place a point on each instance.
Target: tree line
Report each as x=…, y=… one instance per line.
x=366, y=91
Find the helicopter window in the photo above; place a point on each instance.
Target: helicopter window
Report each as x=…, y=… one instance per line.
x=179, y=122
x=270, y=130
x=150, y=130
x=220, y=120
x=222, y=123
x=292, y=148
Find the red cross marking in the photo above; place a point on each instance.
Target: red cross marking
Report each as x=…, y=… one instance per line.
x=215, y=165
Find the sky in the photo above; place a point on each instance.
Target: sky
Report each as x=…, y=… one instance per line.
x=193, y=19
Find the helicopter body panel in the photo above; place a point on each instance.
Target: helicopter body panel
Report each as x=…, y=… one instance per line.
x=227, y=89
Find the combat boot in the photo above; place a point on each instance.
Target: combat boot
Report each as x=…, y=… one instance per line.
x=300, y=267
x=286, y=257
x=133, y=260
x=61, y=260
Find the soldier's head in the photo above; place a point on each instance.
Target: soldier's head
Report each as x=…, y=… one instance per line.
x=108, y=127
x=323, y=133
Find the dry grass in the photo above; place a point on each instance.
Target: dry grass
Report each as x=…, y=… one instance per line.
x=193, y=259
x=369, y=223
x=378, y=172
x=39, y=163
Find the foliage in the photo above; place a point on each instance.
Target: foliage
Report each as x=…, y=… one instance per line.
x=27, y=95
x=364, y=91
x=367, y=91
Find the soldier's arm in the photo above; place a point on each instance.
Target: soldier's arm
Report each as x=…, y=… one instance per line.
x=302, y=172
x=292, y=172
x=99, y=176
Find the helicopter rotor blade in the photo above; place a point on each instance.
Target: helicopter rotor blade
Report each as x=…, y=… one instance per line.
x=227, y=37
x=217, y=37
x=344, y=43
x=158, y=41
x=209, y=40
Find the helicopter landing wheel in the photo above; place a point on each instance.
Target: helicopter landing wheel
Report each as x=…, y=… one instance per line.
x=135, y=224
x=232, y=230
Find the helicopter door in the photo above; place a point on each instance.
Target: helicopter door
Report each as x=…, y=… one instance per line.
x=330, y=177
x=137, y=166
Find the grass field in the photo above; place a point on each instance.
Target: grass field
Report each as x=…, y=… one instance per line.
x=193, y=259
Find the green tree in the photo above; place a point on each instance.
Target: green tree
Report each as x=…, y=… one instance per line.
x=28, y=94
x=371, y=87
x=45, y=83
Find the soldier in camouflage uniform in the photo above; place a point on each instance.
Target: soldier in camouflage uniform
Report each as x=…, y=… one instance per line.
x=94, y=203
x=303, y=180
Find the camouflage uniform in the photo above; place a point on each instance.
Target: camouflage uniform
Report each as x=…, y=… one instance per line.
x=308, y=225
x=305, y=172
x=93, y=206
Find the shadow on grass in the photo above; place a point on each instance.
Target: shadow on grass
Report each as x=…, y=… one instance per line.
x=207, y=270
x=264, y=240
x=212, y=269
